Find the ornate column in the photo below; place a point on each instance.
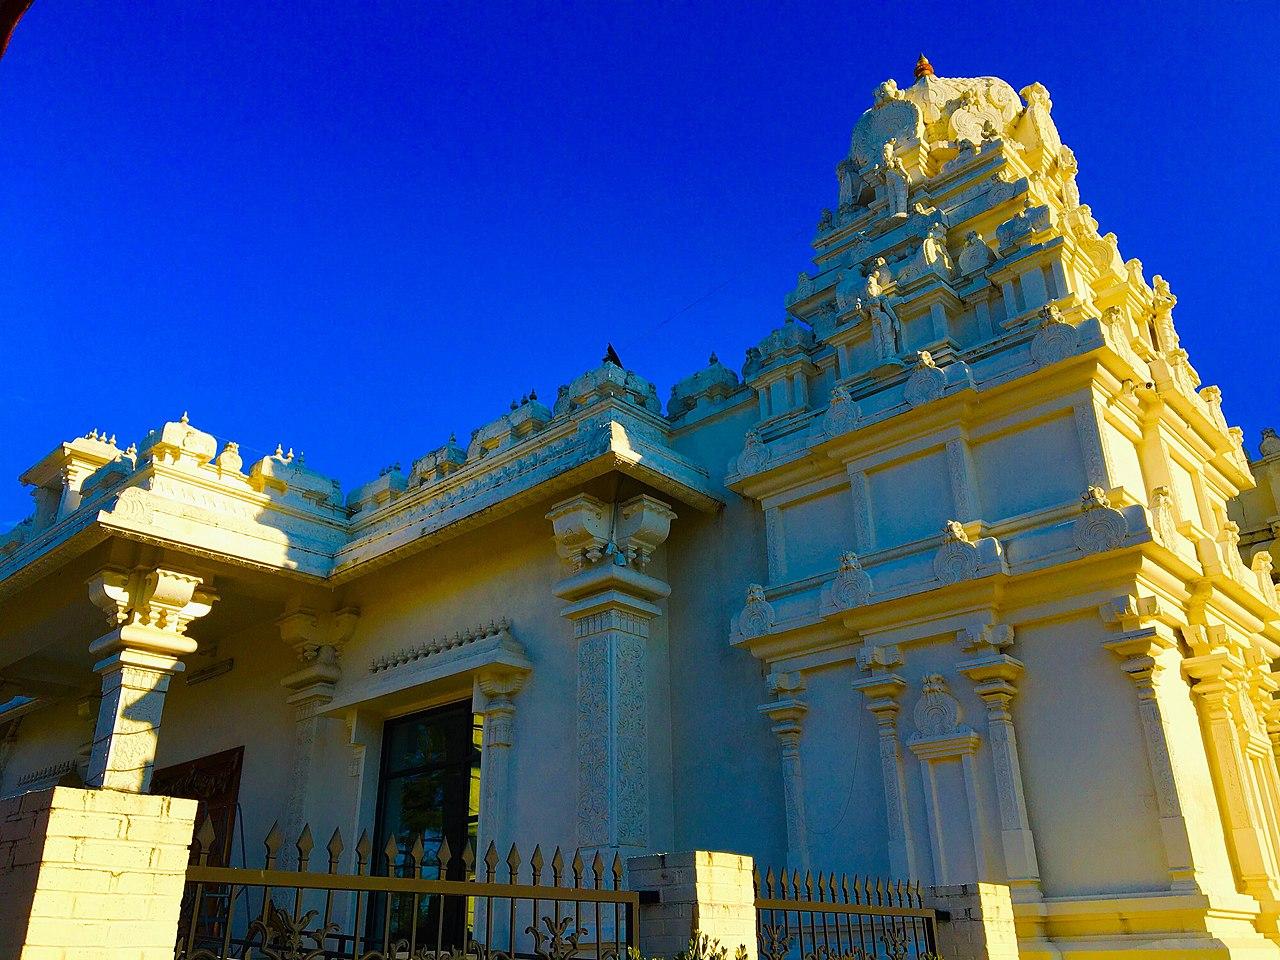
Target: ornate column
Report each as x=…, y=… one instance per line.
x=316, y=640
x=1219, y=675
x=149, y=609
x=611, y=604
x=787, y=712
x=882, y=691
x=1139, y=646
x=994, y=673
x=496, y=689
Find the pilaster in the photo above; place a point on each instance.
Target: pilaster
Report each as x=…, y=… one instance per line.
x=150, y=608
x=882, y=692
x=787, y=711
x=612, y=606
x=1139, y=645
x=1221, y=687
x=316, y=640
x=496, y=688
x=994, y=674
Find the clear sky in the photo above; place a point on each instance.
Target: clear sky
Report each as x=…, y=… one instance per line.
x=353, y=228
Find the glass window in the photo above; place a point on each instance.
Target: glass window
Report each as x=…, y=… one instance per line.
x=429, y=787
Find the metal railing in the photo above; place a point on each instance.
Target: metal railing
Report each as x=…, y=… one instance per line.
x=400, y=912
x=822, y=918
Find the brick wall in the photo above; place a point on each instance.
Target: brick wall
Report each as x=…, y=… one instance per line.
x=981, y=924
x=91, y=874
x=711, y=893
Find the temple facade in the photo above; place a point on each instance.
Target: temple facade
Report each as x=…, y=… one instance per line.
x=963, y=577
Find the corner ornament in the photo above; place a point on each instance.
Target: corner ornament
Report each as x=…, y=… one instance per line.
x=957, y=558
x=851, y=586
x=754, y=456
x=1100, y=527
x=843, y=412
x=1055, y=340
x=756, y=617
x=926, y=382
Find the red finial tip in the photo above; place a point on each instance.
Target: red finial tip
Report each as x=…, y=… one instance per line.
x=923, y=67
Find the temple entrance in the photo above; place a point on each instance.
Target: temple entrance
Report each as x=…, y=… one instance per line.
x=429, y=790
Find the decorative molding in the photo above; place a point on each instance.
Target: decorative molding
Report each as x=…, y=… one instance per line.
x=499, y=630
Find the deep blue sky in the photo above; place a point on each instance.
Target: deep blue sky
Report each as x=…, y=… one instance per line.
x=353, y=228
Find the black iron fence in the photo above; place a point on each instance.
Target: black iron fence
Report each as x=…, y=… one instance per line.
x=415, y=905
x=822, y=918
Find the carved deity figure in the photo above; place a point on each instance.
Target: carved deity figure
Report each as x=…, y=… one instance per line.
x=934, y=246
x=894, y=177
x=1068, y=167
x=844, y=174
x=874, y=306
x=1162, y=304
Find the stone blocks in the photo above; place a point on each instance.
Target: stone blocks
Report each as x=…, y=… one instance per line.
x=92, y=874
x=698, y=891
x=980, y=925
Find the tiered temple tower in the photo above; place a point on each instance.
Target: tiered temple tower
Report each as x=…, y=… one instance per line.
x=990, y=475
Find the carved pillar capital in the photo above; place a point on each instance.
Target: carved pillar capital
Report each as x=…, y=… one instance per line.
x=317, y=640
x=148, y=609
x=787, y=710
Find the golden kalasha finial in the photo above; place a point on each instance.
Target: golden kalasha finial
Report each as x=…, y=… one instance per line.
x=923, y=67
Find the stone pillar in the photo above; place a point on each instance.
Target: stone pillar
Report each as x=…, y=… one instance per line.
x=993, y=674
x=711, y=894
x=611, y=605
x=787, y=712
x=882, y=691
x=92, y=873
x=496, y=688
x=316, y=641
x=979, y=924
x=149, y=608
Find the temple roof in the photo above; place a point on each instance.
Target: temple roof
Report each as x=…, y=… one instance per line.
x=940, y=109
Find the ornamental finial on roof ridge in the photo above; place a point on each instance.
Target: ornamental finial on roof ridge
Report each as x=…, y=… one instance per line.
x=923, y=68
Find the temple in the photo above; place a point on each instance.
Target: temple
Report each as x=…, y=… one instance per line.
x=962, y=578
